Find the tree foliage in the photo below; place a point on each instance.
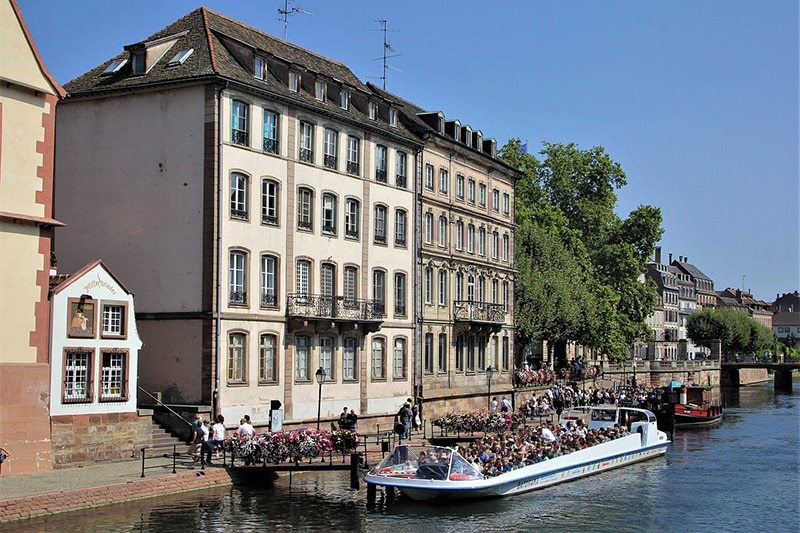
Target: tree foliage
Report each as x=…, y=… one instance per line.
x=738, y=332
x=578, y=262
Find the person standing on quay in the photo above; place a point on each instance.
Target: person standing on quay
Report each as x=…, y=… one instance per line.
x=405, y=415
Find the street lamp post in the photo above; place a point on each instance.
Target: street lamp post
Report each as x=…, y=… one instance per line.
x=489, y=374
x=320, y=375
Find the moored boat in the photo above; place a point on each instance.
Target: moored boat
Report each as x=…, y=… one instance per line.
x=624, y=436
x=686, y=406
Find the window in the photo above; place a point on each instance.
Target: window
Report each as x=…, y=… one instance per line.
x=506, y=203
x=393, y=118
x=442, y=352
x=443, y=281
x=470, y=288
x=344, y=99
x=482, y=195
x=379, y=291
x=495, y=244
x=428, y=286
x=180, y=58
x=482, y=352
x=471, y=353
x=260, y=68
x=330, y=148
x=239, y=116
x=305, y=209
x=78, y=375
x=481, y=289
x=237, y=357
x=505, y=354
x=114, y=376
x=399, y=364
x=114, y=320
x=303, y=287
x=319, y=91
x=495, y=200
x=495, y=290
x=353, y=155
x=400, y=167
x=444, y=178
x=267, y=359
x=301, y=358
x=350, y=286
x=239, y=201
x=400, y=294
x=138, y=62
x=459, y=286
x=470, y=238
x=271, y=129
x=380, y=163
x=380, y=224
x=459, y=235
x=429, y=176
x=238, y=277
x=482, y=241
x=373, y=110
x=428, y=354
x=327, y=283
x=460, y=187
x=306, y=153
x=269, y=274
x=442, y=231
x=428, y=228
x=505, y=296
x=269, y=202
x=505, y=247
x=294, y=82
x=115, y=67
x=400, y=228
x=328, y=214
x=326, y=356
x=460, y=353
x=349, y=359
x=471, y=191
x=378, y=358
x=351, y=218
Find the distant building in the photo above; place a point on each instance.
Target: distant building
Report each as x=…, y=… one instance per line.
x=28, y=97
x=95, y=353
x=786, y=317
x=703, y=284
x=743, y=301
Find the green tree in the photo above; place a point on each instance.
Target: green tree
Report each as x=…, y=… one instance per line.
x=738, y=332
x=578, y=262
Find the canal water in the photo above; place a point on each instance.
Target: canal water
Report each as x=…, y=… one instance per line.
x=743, y=475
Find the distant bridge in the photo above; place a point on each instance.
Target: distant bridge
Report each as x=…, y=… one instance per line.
x=782, y=372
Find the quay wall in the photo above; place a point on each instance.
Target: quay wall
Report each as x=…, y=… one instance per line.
x=15, y=509
x=81, y=440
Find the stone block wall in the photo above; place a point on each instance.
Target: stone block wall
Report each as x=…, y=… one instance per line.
x=80, y=440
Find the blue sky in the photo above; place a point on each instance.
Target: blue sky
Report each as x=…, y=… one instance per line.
x=696, y=99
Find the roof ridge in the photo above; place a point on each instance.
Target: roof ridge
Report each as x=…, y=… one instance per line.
x=212, y=53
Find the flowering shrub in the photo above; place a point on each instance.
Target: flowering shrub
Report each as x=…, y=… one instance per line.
x=479, y=421
x=531, y=378
x=297, y=445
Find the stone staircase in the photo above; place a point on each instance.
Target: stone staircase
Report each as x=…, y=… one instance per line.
x=165, y=442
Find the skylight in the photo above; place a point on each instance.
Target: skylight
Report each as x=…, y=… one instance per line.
x=114, y=67
x=180, y=58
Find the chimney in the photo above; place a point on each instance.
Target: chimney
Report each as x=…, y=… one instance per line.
x=658, y=254
x=670, y=258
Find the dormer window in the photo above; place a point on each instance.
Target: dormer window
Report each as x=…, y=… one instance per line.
x=180, y=58
x=373, y=110
x=138, y=62
x=294, y=82
x=114, y=67
x=260, y=68
x=319, y=91
x=344, y=99
x=393, y=118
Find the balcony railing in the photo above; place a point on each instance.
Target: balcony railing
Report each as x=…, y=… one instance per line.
x=334, y=307
x=400, y=181
x=239, y=137
x=270, y=145
x=380, y=175
x=473, y=311
x=306, y=155
x=329, y=161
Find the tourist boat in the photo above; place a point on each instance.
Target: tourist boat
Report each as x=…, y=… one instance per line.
x=686, y=406
x=434, y=473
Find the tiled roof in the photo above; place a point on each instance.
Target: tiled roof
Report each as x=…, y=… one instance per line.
x=692, y=270
x=224, y=51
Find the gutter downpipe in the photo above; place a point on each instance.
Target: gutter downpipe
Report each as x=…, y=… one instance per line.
x=417, y=265
x=218, y=266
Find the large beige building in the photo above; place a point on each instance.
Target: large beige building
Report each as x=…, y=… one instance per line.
x=465, y=243
x=258, y=199
x=28, y=96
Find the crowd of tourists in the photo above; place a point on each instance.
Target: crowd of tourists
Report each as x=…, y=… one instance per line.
x=504, y=452
x=563, y=396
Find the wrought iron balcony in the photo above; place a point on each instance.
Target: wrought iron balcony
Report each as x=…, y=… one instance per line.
x=353, y=168
x=401, y=181
x=380, y=175
x=479, y=312
x=317, y=306
x=306, y=155
x=239, y=137
x=270, y=145
x=330, y=161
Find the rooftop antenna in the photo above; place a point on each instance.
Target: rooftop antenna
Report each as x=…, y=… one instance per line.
x=285, y=13
x=386, y=49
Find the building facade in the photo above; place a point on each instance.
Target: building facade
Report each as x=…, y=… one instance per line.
x=259, y=201
x=465, y=243
x=28, y=97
